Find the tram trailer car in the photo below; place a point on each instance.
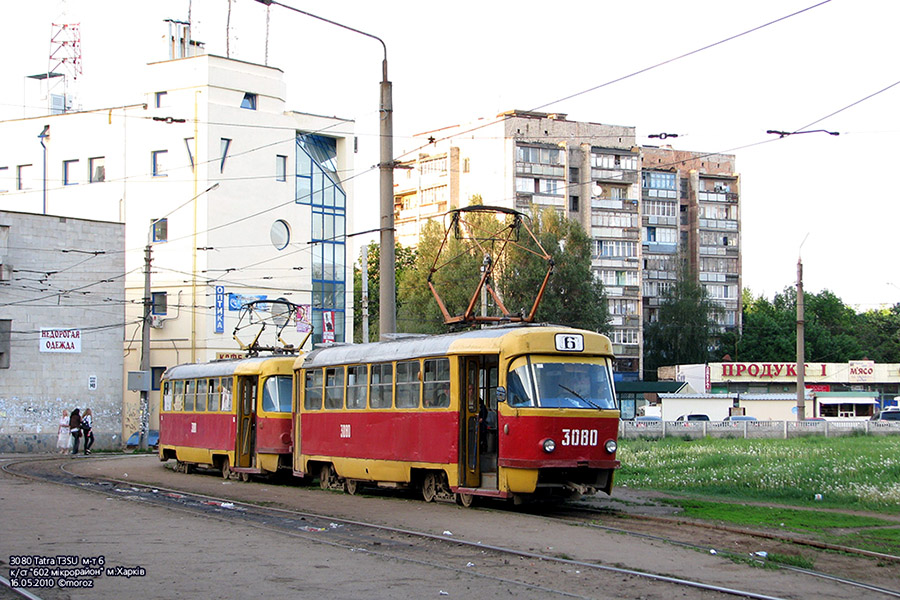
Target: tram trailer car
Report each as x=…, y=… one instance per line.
x=520, y=412
x=231, y=415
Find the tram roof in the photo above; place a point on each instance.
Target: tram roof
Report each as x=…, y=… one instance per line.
x=218, y=368
x=420, y=346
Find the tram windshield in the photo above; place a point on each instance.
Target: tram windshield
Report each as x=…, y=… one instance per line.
x=547, y=382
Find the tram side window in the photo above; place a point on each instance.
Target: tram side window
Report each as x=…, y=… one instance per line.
x=277, y=394
x=212, y=394
x=179, y=395
x=225, y=393
x=312, y=387
x=200, y=403
x=408, y=384
x=190, y=393
x=437, y=383
x=356, y=386
x=382, y=380
x=334, y=388
x=167, y=395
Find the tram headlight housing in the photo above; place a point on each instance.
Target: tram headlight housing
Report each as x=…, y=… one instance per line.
x=548, y=445
x=611, y=446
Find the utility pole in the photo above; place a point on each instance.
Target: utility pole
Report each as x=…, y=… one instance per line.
x=387, y=294
x=145, y=346
x=801, y=358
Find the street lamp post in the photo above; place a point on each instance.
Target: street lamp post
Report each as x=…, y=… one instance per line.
x=387, y=295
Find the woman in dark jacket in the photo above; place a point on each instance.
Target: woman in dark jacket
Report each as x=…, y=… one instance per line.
x=87, y=426
x=75, y=429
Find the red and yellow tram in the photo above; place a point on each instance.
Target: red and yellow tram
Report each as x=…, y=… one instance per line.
x=232, y=415
x=509, y=412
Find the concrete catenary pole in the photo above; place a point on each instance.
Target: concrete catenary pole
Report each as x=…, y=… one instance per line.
x=801, y=358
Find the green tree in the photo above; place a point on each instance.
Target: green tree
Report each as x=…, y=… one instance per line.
x=573, y=297
x=404, y=259
x=879, y=334
x=685, y=329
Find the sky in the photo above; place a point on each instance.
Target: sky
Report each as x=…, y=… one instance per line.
x=813, y=195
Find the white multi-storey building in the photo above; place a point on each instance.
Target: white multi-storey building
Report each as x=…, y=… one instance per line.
x=236, y=197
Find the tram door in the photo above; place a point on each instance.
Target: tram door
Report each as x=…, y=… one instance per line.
x=471, y=472
x=246, y=422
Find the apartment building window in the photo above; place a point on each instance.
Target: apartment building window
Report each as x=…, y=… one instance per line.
x=659, y=208
x=158, y=163
x=4, y=173
x=622, y=306
x=160, y=229
x=573, y=203
x=625, y=336
x=615, y=248
x=97, y=169
x=661, y=235
x=541, y=156
x=249, y=101
x=435, y=166
x=551, y=187
x=614, y=278
x=159, y=303
x=574, y=176
x=614, y=161
x=605, y=219
x=718, y=265
x=224, y=145
x=717, y=211
x=189, y=144
x=658, y=181
x=69, y=167
x=280, y=168
x=22, y=172
x=5, y=335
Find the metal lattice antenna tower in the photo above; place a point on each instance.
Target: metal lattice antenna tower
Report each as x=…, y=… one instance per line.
x=65, y=59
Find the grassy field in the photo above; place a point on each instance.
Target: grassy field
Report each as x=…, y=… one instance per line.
x=715, y=479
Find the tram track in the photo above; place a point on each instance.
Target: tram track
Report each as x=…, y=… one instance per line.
x=488, y=561
x=391, y=543
x=761, y=559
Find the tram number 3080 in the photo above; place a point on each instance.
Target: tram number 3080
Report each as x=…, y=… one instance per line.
x=579, y=437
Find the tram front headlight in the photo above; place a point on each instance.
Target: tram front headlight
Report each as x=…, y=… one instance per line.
x=548, y=445
x=611, y=446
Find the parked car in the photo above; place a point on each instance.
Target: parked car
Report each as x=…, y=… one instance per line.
x=135, y=440
x=740, y=418
x=648, y=418
x=888, y=414
x=693, y=418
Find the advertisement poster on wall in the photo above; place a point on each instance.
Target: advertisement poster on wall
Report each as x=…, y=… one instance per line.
x=328, y=326
x=303, y=318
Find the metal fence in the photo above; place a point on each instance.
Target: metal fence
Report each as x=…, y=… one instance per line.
x=753, y=429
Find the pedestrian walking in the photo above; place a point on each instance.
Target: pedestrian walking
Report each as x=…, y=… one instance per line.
x=75, y=429
x=64, y=438
x=87, y=427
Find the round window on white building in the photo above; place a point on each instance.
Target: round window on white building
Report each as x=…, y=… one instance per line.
x=280, y=234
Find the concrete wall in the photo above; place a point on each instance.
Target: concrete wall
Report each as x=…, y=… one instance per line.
x=66, y=273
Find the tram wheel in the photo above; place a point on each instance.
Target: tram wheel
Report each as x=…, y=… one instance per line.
x=328, y=478
x=226, y=468
x=245, y=477
x=430, y=487
x=351, y=486
x=465, y=500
